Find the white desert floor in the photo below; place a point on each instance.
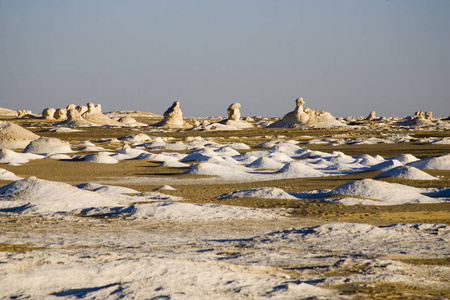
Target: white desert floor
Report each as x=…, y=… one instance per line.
x=102, y=240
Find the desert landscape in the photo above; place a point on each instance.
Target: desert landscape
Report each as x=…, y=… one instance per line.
x=135, y=205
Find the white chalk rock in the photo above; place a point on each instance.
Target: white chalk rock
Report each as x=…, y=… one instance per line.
x=14, y=136
x=48, y=145
x=173, y=117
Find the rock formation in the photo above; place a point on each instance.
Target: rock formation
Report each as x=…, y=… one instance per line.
x=372, y=116
x=49, y=113
x=82, y=109
x=23, y=113
x=428, y=115
x=94, y=115
x=60, y=114
x=307, y=117
x=73, y=114
x=418, y=119
x=173, y=117
x=233, y=112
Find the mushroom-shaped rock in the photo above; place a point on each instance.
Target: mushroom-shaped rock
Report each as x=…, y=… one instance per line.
x=173, y=116
x=233, y=112
x=234, y=121
x=428, y=115
x=49, y=113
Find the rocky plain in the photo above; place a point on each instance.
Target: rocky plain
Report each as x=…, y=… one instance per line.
x=134, y=205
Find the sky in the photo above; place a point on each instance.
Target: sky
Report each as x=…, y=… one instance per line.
x=347, y=57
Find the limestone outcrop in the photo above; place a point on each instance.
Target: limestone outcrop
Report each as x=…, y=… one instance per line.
x=94, y=115
x=372, y=116
x=306, y=117
x=234, y=112
x=418, y=119
x=60, y=114
x=49, y=113
x=173, y=117
x=24, y=113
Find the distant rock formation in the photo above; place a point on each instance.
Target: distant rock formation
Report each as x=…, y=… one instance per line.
x=173, y=117
x=94, y=115
x=418, y=119
x=82, y=109
x=428, y=115
x=307, y=117
x=233, y=112
x=49, y=113
x=23, y=113
x=372, y=116
x=234, y=118
x=60, y=114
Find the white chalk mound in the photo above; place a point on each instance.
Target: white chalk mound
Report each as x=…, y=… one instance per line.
x=299, y=169
x=265, y=162
x=381, y=193
x=101, y=158
x=406, y=172
x=14, y=136
x=7, y=175
x=264, y=192
x=8, y=156
x=43, y=196
x=437, y=163
x=48, y=145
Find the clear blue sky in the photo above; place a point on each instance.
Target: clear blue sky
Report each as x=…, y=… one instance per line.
x=346, y=57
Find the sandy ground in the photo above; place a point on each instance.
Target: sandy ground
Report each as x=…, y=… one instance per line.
x=144, y=176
